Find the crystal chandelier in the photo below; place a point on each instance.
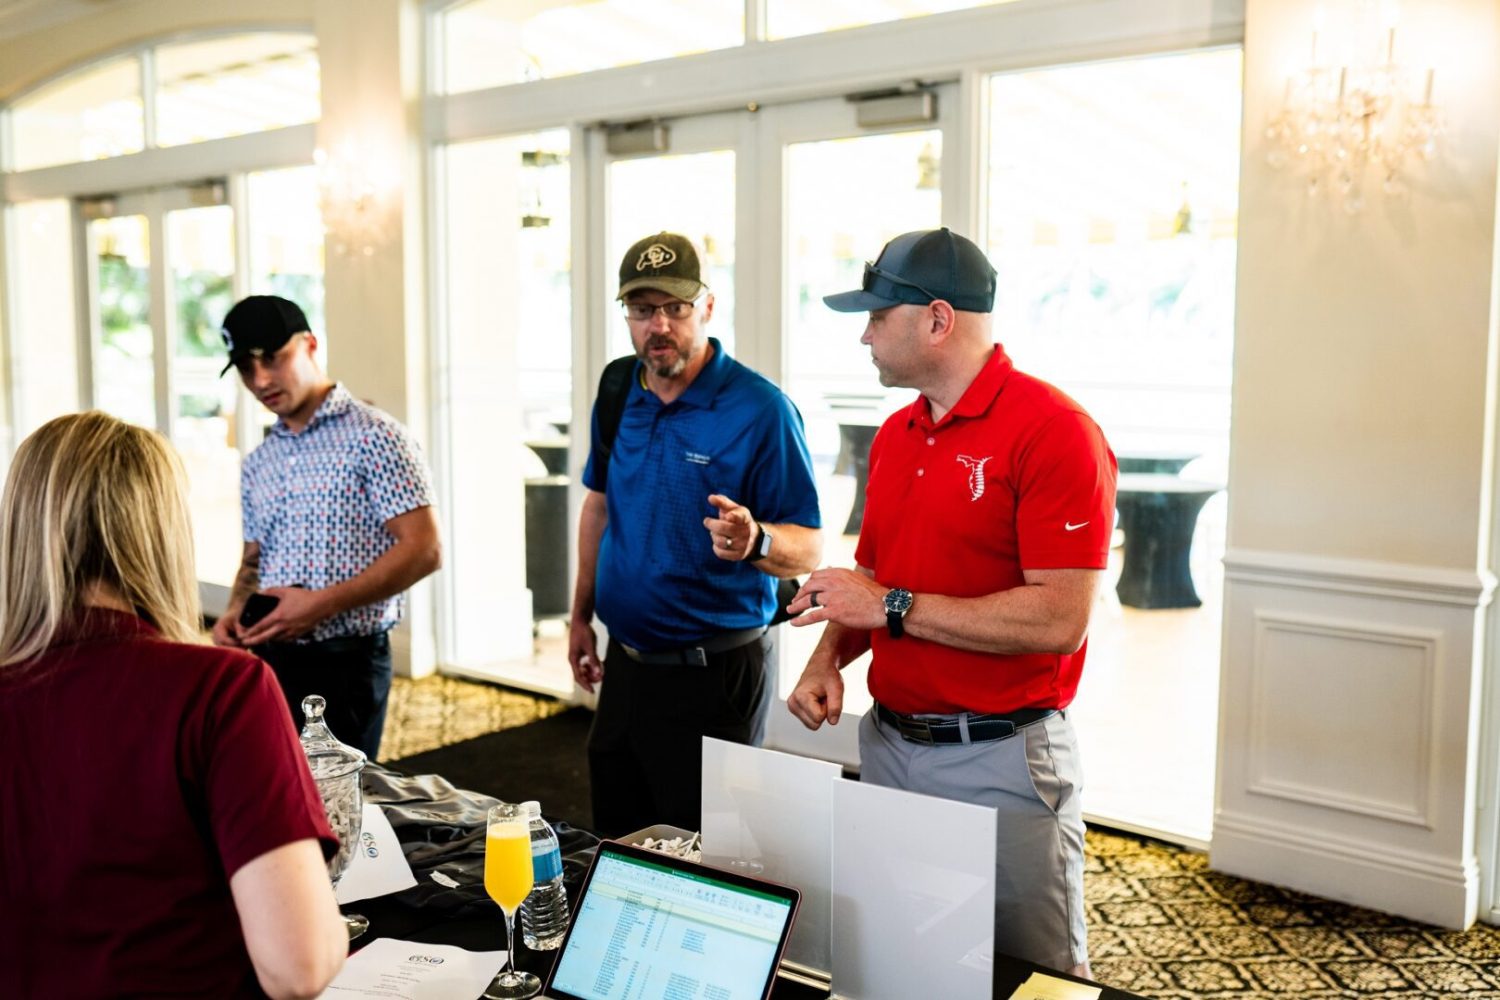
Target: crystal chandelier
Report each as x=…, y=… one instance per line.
x=1363, y=118
x=356, y=190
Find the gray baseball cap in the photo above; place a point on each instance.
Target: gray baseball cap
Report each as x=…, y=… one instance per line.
x=916, y=268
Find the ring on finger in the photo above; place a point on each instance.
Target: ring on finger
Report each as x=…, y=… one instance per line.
x=812, y=596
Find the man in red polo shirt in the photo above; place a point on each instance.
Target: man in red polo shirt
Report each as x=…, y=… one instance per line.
x=986, y=531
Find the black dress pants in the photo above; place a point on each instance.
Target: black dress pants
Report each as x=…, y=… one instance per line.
x=352, y=673
x=645, y=748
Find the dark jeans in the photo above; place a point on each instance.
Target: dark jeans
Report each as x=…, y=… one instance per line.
x=646, y=744
x=352, y=673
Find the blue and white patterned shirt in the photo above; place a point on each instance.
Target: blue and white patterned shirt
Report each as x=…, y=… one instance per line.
x=317, y=501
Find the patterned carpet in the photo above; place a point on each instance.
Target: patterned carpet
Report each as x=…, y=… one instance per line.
x=1160, y=923
x=439, y=711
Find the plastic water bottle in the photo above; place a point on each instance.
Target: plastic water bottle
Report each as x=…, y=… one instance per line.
x=544, y=914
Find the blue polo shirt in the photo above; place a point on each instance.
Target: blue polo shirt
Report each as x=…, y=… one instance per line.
x=658, y=584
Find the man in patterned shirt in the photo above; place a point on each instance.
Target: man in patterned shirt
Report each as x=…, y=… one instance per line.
x=338, y=523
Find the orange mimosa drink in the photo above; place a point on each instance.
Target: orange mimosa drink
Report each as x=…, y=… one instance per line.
x=507, y=864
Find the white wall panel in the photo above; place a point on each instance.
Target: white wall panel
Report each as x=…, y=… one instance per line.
x=1346, y=720
x=1341, y=715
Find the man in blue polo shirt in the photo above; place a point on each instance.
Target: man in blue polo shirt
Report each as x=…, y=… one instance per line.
x=702, y=501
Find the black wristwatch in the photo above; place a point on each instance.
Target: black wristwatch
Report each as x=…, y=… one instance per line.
x=897, y=604
x=762, y=547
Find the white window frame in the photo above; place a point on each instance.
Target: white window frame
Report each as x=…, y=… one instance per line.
x=963, y=46
x=154, y=168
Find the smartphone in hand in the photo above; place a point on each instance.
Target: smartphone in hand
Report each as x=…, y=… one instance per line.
x=257, y=606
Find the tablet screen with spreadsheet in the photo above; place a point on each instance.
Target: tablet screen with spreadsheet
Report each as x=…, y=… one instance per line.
x=658, y=927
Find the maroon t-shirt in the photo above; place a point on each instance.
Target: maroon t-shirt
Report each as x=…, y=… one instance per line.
x=138, y=776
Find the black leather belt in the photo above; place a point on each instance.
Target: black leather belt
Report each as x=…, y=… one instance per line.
x=695, y=656
x=335, y=644
x=949, y=729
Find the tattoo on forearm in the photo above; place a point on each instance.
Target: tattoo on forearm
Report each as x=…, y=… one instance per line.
x=247, y=580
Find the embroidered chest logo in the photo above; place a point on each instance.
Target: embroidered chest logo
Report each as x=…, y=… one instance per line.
x=976, y=474
x=696, y=457
x=656, y=257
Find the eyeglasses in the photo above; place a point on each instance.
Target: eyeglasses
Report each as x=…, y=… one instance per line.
x=871, y=269
x=641, y=312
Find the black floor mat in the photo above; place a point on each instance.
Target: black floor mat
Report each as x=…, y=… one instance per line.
x=546, y=761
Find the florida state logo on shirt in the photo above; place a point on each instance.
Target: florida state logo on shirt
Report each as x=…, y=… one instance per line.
x=976, y=474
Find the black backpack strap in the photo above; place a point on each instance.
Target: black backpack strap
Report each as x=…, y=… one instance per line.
x=609, y=407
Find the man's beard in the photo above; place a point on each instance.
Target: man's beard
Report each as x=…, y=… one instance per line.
x=671, y=368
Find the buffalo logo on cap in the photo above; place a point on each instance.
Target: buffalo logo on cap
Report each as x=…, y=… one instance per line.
x=656, y=257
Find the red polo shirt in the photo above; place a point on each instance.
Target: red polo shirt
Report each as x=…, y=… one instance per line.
x=1016, y=476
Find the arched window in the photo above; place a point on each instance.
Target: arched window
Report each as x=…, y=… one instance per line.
x=207, y=88
x=235, y=84
x=90, y=114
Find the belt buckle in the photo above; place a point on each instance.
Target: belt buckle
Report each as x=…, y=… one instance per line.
x=695, y=656
x=915, y=730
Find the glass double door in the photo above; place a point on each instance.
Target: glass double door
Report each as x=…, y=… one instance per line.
x=161, y=273
x=157, y=272
x=787, y=203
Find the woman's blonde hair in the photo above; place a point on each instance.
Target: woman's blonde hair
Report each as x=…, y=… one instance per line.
x=92, y=499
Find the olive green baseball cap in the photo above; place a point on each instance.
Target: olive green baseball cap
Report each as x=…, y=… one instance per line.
x=666, y=262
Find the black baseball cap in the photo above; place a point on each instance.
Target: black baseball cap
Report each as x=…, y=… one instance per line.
x=258, y=326
x=916, y=268
x=666, y=262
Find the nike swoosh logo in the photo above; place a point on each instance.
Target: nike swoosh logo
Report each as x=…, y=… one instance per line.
x=1070, y=526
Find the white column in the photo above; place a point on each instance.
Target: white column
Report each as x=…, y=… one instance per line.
x=370, y=54
x=1358, y=566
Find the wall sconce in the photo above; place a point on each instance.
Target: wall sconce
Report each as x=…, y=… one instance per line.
x=355, y=190
x=1341, y=121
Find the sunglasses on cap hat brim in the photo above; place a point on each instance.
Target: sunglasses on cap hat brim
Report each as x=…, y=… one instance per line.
x=880, y=289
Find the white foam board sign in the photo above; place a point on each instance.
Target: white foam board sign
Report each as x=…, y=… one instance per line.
x=769, y=814
x=913, y=895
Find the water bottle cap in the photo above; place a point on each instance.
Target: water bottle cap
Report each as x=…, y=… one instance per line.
x=533, y=808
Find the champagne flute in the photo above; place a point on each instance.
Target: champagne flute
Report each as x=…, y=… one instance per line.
x=508, y=879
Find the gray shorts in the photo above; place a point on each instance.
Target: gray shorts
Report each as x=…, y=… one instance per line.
x=1033, y=780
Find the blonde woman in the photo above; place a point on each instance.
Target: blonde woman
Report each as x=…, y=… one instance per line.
x=159, y=831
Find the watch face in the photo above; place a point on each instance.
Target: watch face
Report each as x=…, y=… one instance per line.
x=898, y=601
